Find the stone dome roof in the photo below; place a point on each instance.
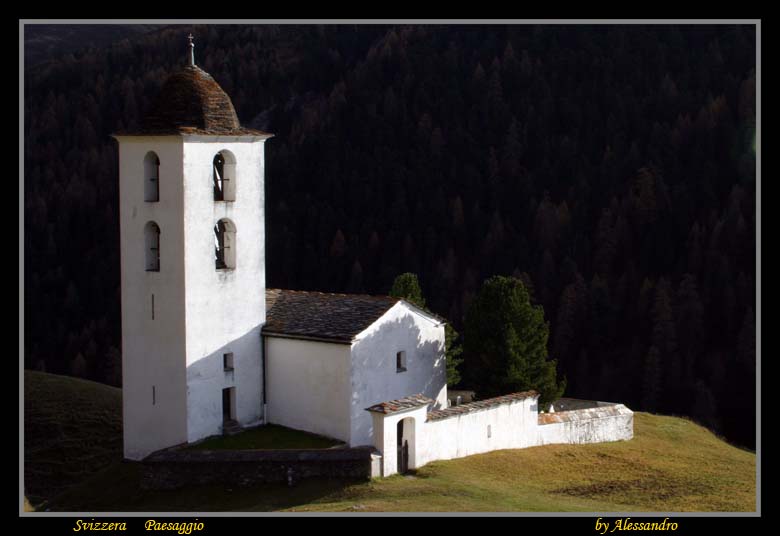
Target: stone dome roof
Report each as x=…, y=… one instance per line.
x=192, y=102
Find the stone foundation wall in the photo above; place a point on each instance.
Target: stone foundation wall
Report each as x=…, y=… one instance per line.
x=179, y=468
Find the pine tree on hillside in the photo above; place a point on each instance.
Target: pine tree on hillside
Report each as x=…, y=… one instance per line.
x=651, y=380
x=505, y=343
x=407, y=286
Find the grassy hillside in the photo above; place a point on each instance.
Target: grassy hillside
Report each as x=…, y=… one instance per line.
x=671, y=465
x=72, y=428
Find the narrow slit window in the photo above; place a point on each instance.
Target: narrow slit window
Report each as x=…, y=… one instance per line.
x=152, y=239
x=154, y=396
x=400, y=361
x=490, y=431
x=227, y=361
x=151, y=177
x=152, y=306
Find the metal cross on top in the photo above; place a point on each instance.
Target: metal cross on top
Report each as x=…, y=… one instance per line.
x=192, y=49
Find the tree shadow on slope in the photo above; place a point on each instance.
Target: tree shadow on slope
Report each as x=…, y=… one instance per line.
x=118, y=488
x=72, y=429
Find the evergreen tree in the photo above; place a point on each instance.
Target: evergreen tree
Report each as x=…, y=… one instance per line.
x=651, y=380
x=453, y=349
x=78, y=367
x=705, y=409
x=112, y=367
x=407, y=286
x=355, y=284
x=664, y=338
x=746, y=349
x=505, y=343
x=690, y=313
x=565, y=326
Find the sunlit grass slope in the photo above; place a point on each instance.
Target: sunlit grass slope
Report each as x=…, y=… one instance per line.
x=73, y=454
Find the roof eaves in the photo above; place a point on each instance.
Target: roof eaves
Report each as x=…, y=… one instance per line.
x=304, y=337
x=394, y=412
x=195, y=133
x=221, y=136
x=401, y=405
x=359, y=335
x=424, y=312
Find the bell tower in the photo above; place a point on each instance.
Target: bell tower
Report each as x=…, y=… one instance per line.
x=192, y=243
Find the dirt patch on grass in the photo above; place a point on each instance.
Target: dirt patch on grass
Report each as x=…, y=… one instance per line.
x=651, y=488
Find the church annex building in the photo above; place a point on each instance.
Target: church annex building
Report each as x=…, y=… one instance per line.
x=206, y=347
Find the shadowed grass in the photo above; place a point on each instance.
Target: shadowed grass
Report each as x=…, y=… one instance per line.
x=117, y=488
x=672, y=465
x=270, y=436
x=72, y=428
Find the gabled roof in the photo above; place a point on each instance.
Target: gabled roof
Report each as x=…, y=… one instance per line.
x=321, y=315
x=424, y=312
x=401, y=404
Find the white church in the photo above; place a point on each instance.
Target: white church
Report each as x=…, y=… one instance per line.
x=207, y=348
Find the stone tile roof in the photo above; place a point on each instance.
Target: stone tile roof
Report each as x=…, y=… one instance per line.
x=192, y=102
x=394, y=406
x=480, y=405
x=584, y=414
x=322, y=315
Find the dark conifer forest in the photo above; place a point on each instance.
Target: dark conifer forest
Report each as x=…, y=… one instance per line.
x=611, y=168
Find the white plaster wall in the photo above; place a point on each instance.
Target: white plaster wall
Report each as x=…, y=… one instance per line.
x=153, y=352
x=589, y=428
x=385, y=439
x=308, y=386
x=225, y=310
x=512, y=426
x=373, y=374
